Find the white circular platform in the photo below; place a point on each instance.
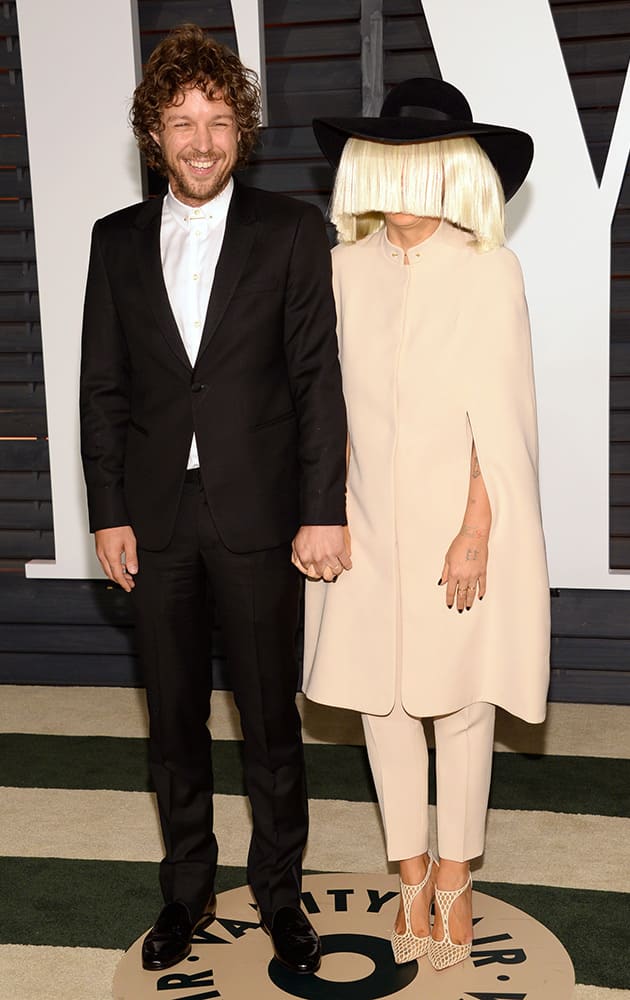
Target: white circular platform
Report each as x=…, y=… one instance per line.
x=513, y=957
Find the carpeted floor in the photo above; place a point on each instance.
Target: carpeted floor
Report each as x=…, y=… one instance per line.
x=79, y=841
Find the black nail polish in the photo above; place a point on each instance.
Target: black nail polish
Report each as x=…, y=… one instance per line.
x=440, y=582
x=460, y=611
x=449, y=606
x=480, y=598
x=468, y=607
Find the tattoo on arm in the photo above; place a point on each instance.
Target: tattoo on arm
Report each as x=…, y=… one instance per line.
x=476, y=471
x=469, y=531
x=471, y=554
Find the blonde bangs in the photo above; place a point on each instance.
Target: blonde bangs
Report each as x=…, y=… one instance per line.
x=450, y=179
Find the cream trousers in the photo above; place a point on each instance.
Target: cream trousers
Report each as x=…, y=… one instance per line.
x=397, y=749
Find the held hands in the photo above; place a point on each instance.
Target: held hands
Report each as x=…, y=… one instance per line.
x=322, y=551
x=464, y=572
x=116, y=552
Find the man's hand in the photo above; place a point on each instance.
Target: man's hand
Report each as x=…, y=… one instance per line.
x=322, y=551
x=116, y=551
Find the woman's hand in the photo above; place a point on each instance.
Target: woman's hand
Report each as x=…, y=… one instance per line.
x=464, y=572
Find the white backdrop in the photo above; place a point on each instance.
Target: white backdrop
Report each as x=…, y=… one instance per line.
x=505, y=56
x=83, y=164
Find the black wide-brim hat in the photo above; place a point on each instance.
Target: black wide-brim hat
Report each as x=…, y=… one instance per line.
x=421, y=110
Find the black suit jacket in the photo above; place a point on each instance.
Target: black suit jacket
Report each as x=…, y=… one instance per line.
x=263, y=398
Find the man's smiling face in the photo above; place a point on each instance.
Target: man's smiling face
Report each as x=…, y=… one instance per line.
x=199, y=143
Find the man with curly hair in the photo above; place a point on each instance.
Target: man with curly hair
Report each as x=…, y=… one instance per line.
x=213, y=442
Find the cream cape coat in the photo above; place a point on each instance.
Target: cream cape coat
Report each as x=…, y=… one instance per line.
x=433, y=353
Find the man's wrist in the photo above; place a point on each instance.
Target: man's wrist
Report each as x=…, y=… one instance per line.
x=321, y=524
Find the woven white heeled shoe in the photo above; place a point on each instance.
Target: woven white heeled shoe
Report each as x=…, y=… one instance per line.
x=444, y=953
x=407, y=946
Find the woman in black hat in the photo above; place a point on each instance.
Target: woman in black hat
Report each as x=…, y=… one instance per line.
x=442, y=480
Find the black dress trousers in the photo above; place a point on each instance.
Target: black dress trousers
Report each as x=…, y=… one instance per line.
x=256, y=596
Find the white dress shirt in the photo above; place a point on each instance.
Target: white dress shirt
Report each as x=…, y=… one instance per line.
x=190, y=244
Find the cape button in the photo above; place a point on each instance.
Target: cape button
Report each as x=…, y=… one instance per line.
x=198, y=387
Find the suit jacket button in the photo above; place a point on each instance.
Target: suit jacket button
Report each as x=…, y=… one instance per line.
x=198, y=386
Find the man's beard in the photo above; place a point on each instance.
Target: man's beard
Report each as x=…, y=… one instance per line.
x=199, y=189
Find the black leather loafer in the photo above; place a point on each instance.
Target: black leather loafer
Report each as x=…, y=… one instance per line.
x=295, y=941
x=168, y=941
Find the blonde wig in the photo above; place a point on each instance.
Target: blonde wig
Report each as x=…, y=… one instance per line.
x=450, y=179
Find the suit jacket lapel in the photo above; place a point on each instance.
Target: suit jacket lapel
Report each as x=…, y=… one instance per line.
x=147, y=238
x=239, y=236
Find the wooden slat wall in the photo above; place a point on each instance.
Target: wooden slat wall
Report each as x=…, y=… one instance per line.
x=81, y=632
x=408, y=49
x=70, y=632
x=25, y=511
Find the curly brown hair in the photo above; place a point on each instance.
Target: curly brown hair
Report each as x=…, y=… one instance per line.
x=188, y=57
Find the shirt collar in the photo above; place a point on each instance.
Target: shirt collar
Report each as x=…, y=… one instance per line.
x=214, y=211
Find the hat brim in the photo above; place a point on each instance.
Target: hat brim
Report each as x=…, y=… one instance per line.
x=509, y=150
